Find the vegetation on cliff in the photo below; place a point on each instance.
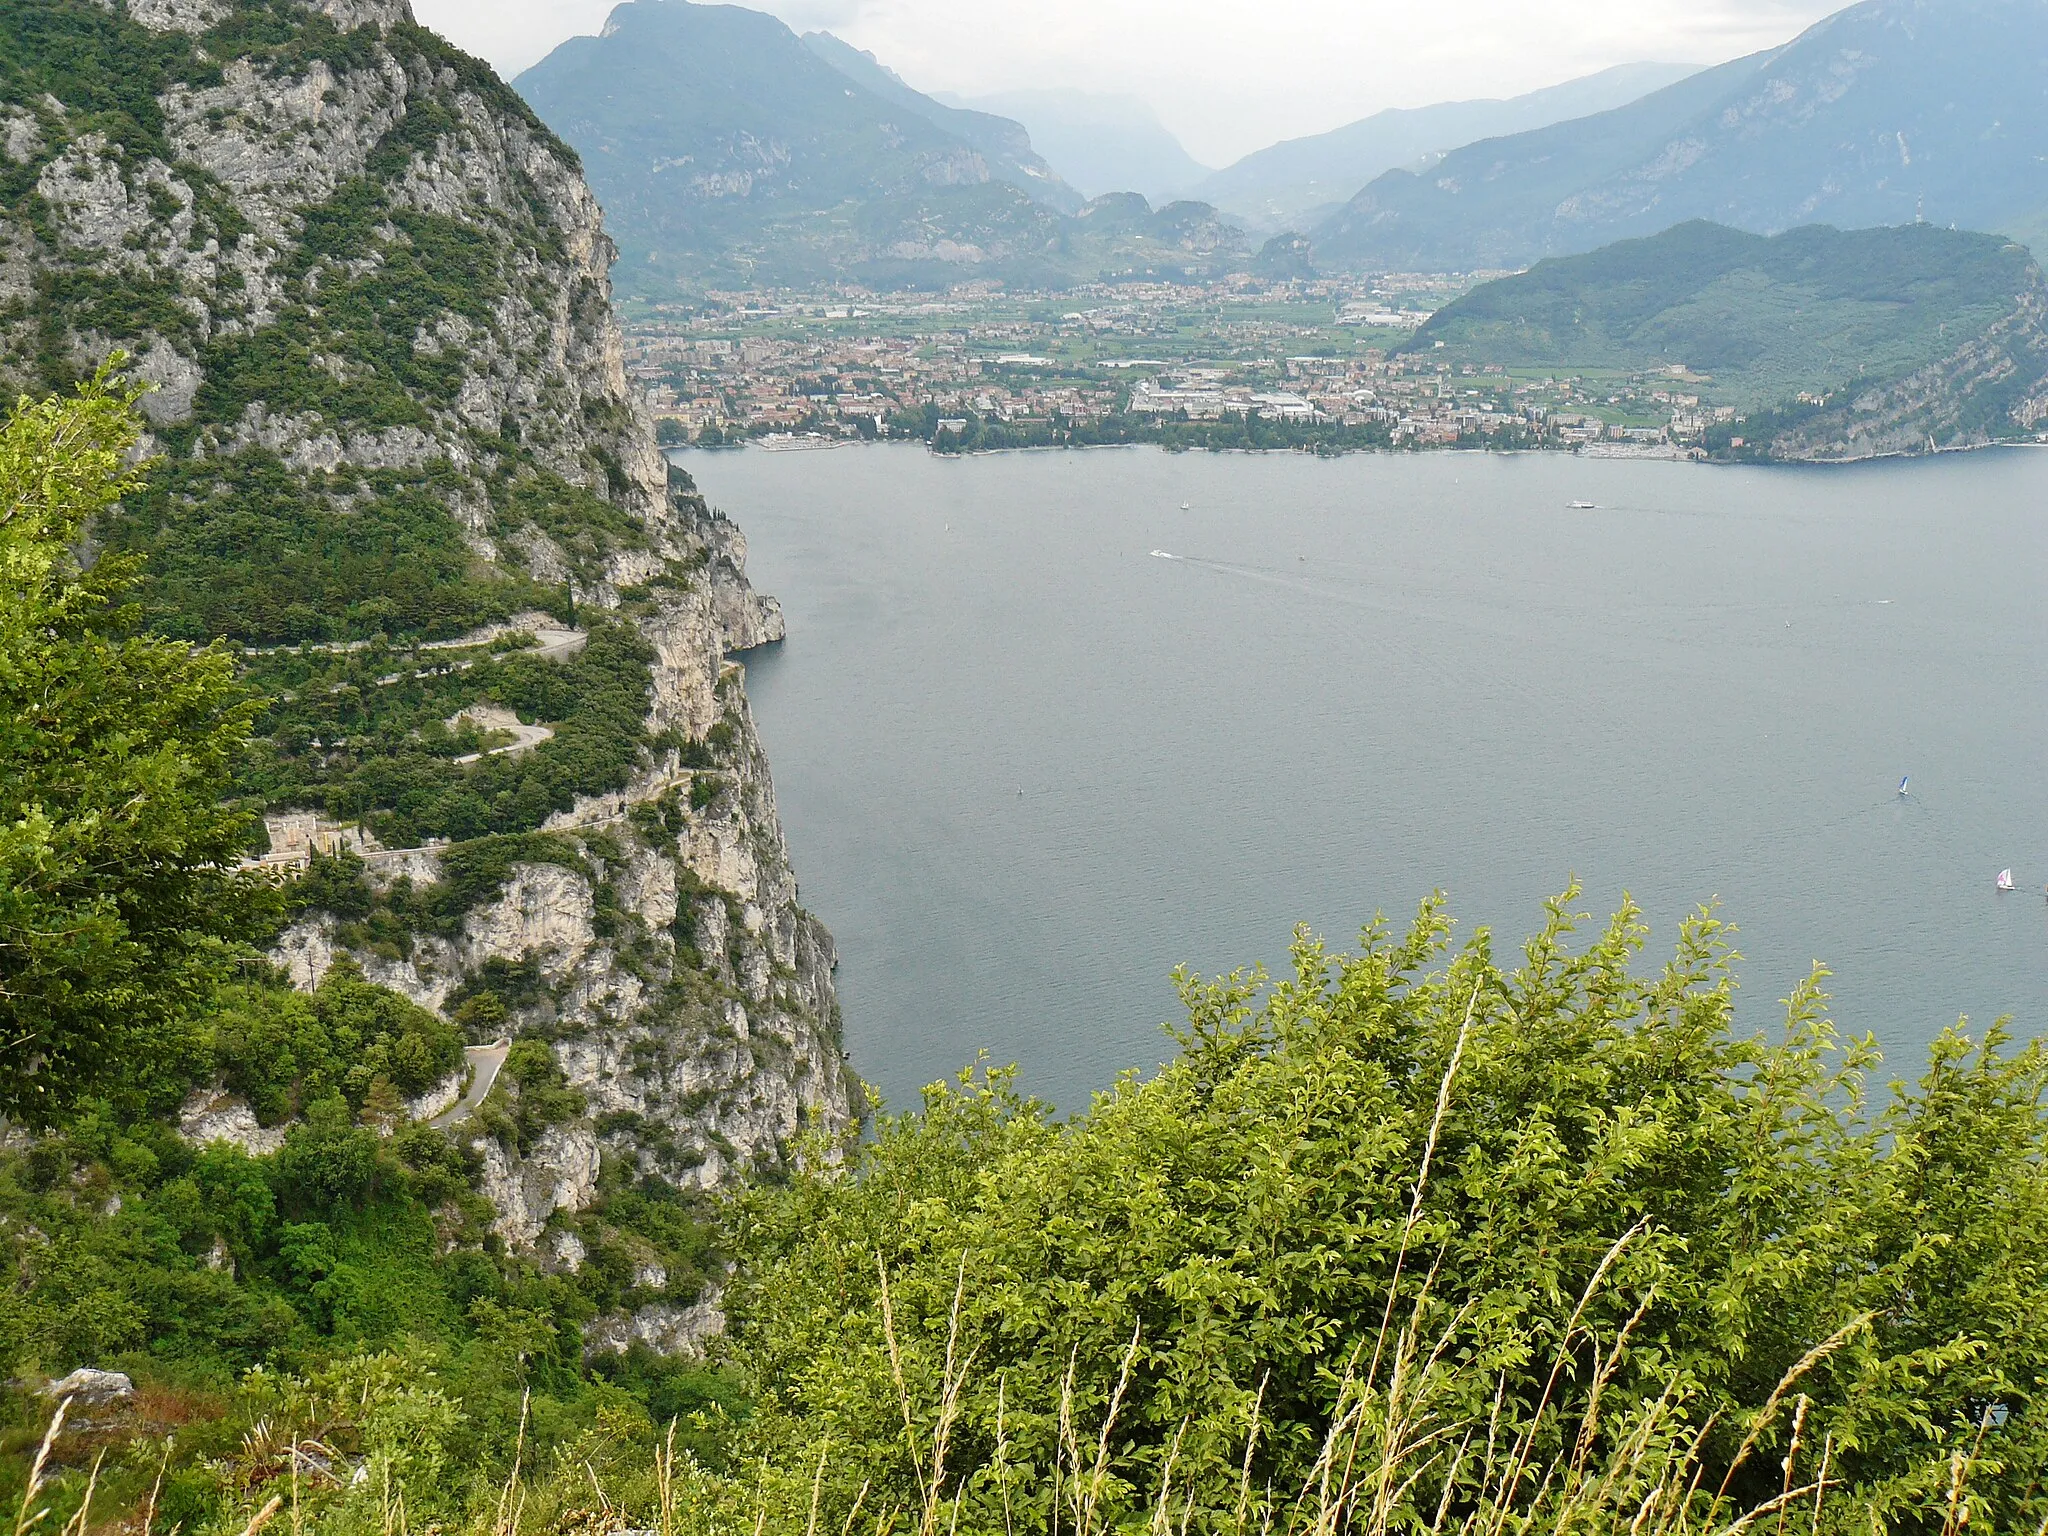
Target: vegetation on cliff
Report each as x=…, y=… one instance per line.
x=1409, y=1239
x=365, y=445
x=133, y=993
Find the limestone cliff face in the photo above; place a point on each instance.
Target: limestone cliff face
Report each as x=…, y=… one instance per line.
x=1992, y=385
x=687, y=993
x=362, y=276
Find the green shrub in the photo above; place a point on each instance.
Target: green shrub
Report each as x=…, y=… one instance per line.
x=281, y=1051
x=541, y=1096
x=120, y=904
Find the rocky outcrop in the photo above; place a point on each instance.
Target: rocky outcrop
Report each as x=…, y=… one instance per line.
x=685, y=994
x=558, y=1173
x=663, y=1328
x=89, y=1387
x=213, y=1114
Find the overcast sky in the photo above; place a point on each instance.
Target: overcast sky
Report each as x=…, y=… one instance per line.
x=1227, y=76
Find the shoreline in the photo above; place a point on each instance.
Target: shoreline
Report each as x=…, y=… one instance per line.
x=1578, y=451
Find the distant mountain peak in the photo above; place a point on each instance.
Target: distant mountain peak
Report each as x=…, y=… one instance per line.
x=1298, y=181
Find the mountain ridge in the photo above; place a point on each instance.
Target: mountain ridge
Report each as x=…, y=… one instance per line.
x=731, y=155
x=1835, y=344
x=1004, y=141
x=1882, y=113
x=1307, y=178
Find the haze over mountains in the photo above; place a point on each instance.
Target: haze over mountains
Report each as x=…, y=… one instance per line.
x=729, y=152
x=1309, y=178
x=1005, y=143
x=1101, y=143
x=1885, y=112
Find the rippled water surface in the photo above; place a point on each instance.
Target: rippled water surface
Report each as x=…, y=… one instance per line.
x=1028, y=765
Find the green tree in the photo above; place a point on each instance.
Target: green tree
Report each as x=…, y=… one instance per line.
x=120, y=901
x=1564, y=1180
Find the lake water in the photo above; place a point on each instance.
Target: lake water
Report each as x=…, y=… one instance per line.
x=1027, y=766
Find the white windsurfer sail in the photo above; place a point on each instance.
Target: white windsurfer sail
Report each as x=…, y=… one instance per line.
x=2005, y=879
x=1904, y=780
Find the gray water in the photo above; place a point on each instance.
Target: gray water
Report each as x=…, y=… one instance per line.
x=1027, y=767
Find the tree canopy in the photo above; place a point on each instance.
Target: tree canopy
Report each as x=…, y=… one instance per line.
x=120, y=900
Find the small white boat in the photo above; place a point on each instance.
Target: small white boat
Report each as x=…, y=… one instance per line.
x=1581, y=506
x=1184, y=506
x=1160, y=554
x=1904, y=781
x=2005, y=879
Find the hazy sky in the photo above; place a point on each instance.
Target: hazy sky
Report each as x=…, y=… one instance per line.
x=1227, y=76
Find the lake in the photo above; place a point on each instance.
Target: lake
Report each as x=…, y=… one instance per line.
x=1028, y=764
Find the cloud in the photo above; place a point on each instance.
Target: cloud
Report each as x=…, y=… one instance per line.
x=511, y=34
x=1227, y=77
x=821, y=15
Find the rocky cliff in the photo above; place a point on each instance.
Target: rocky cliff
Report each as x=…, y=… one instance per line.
x=401, y=468
x=1992, y=388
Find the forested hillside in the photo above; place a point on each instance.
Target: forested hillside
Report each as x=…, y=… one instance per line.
x=1829, y=343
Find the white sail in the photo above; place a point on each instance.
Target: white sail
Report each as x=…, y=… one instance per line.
x=2005, y=879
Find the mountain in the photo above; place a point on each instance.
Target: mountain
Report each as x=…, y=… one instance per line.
x=1100, y=143
x=1003, y=142
x=1885, y=112
x=399, y=472
x=1864, y=341
x=1299, y=182
x=726, y=151
x=729, y=154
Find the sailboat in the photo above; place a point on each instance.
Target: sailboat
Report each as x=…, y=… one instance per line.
x=1904, y=781
x=2005, y=879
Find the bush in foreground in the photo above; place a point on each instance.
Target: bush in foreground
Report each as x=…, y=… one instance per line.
x=1501, y=1234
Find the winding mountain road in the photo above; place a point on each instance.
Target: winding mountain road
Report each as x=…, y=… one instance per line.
x=484, y=1064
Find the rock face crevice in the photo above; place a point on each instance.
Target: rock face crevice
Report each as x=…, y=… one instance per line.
x=233, y=247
